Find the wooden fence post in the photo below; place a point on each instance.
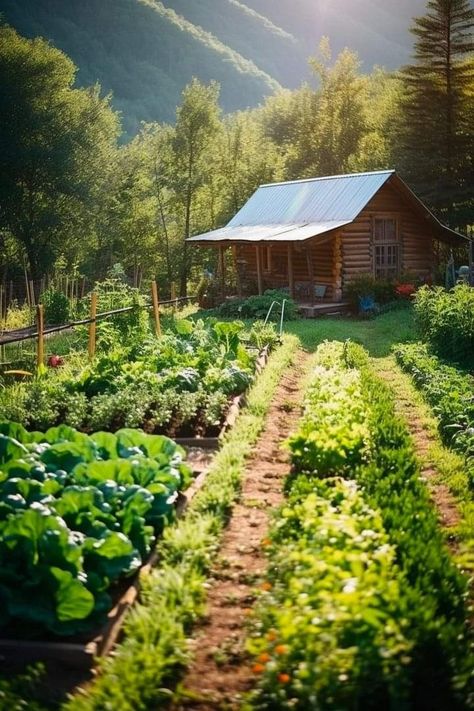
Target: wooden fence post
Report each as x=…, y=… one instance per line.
x=40, y=329
x=173, y=294
x=156, y=307
x=92, y=325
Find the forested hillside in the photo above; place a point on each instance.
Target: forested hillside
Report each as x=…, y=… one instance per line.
x=146, y=51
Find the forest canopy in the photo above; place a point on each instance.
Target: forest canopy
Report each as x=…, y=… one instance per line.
x=71, y=194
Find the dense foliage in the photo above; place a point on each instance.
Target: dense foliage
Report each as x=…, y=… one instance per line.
x=445, y=320
x=437, y=110
x=449, y=391
x=355, y=555
x=144, y=198
x=180, y=383
x=77, y=513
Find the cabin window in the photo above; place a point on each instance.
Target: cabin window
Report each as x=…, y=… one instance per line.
x=386, y=248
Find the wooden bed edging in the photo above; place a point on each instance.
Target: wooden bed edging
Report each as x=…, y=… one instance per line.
x=81, y=655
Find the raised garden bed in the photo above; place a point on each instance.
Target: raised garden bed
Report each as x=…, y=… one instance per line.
x=79, y=652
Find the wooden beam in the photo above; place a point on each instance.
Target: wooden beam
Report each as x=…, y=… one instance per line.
x=291, y=274
x=236, y=270
x=259, y=269
x=222, y=270
x=309, y=260
x=337, y=273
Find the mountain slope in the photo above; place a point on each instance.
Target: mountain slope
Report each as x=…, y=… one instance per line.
x=141, y=51
x=146, y=51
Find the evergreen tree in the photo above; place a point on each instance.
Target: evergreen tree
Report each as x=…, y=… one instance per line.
x=436, y=129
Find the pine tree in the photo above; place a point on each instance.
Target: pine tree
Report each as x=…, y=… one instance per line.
x=437, y=131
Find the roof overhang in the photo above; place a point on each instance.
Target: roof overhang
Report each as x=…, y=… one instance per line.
x=266, y=233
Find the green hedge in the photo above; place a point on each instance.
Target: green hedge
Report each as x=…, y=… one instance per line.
x=445, y=319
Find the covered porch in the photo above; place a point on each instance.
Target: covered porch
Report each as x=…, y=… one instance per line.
x=309, y=270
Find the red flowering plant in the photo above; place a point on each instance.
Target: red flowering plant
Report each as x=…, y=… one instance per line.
x=405, y=290
x=54, y=361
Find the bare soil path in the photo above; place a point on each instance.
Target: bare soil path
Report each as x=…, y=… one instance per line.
x=221, y=672
x=420, y=425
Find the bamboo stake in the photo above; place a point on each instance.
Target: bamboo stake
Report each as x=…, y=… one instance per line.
x=92, y=325
x=40, y=329
x=156, y=307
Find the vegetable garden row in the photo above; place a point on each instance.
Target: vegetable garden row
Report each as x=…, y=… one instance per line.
x=363, y=607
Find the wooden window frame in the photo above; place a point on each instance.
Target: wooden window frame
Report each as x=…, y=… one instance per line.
x=386, y=270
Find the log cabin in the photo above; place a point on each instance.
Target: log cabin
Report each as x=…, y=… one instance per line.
x=314, y=236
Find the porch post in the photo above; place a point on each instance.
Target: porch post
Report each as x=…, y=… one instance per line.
x=309, y=260
x=291, y=278
x=236, y=270
x=337, y=269
x=222, y=270
x=259, y=270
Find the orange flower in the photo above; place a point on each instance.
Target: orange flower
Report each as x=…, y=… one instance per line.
x=266, y=586
x=258, y=668
x=272, y=635
x=266, y=542
x=283, y=678
x=264, y=658
x=281, y=649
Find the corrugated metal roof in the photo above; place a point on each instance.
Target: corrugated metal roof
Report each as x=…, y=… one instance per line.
x=319, y=200
x=273, y=233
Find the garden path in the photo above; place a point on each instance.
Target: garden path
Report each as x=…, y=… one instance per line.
x=220, y=672
x=422, y=429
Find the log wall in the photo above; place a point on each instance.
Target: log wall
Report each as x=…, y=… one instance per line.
x=416, y=239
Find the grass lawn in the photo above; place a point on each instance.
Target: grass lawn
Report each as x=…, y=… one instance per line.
x=377, y=335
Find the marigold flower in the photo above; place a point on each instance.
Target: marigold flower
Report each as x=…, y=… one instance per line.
x=283, y=678
x=281, y=649
x=258, y=668
x=266, y=542
x=272, y=635
x=264, y=658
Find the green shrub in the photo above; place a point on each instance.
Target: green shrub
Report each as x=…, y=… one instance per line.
x=381, y=290
x=256, y=307
x=57, y=308
x=445, y=320
x=449, y=392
